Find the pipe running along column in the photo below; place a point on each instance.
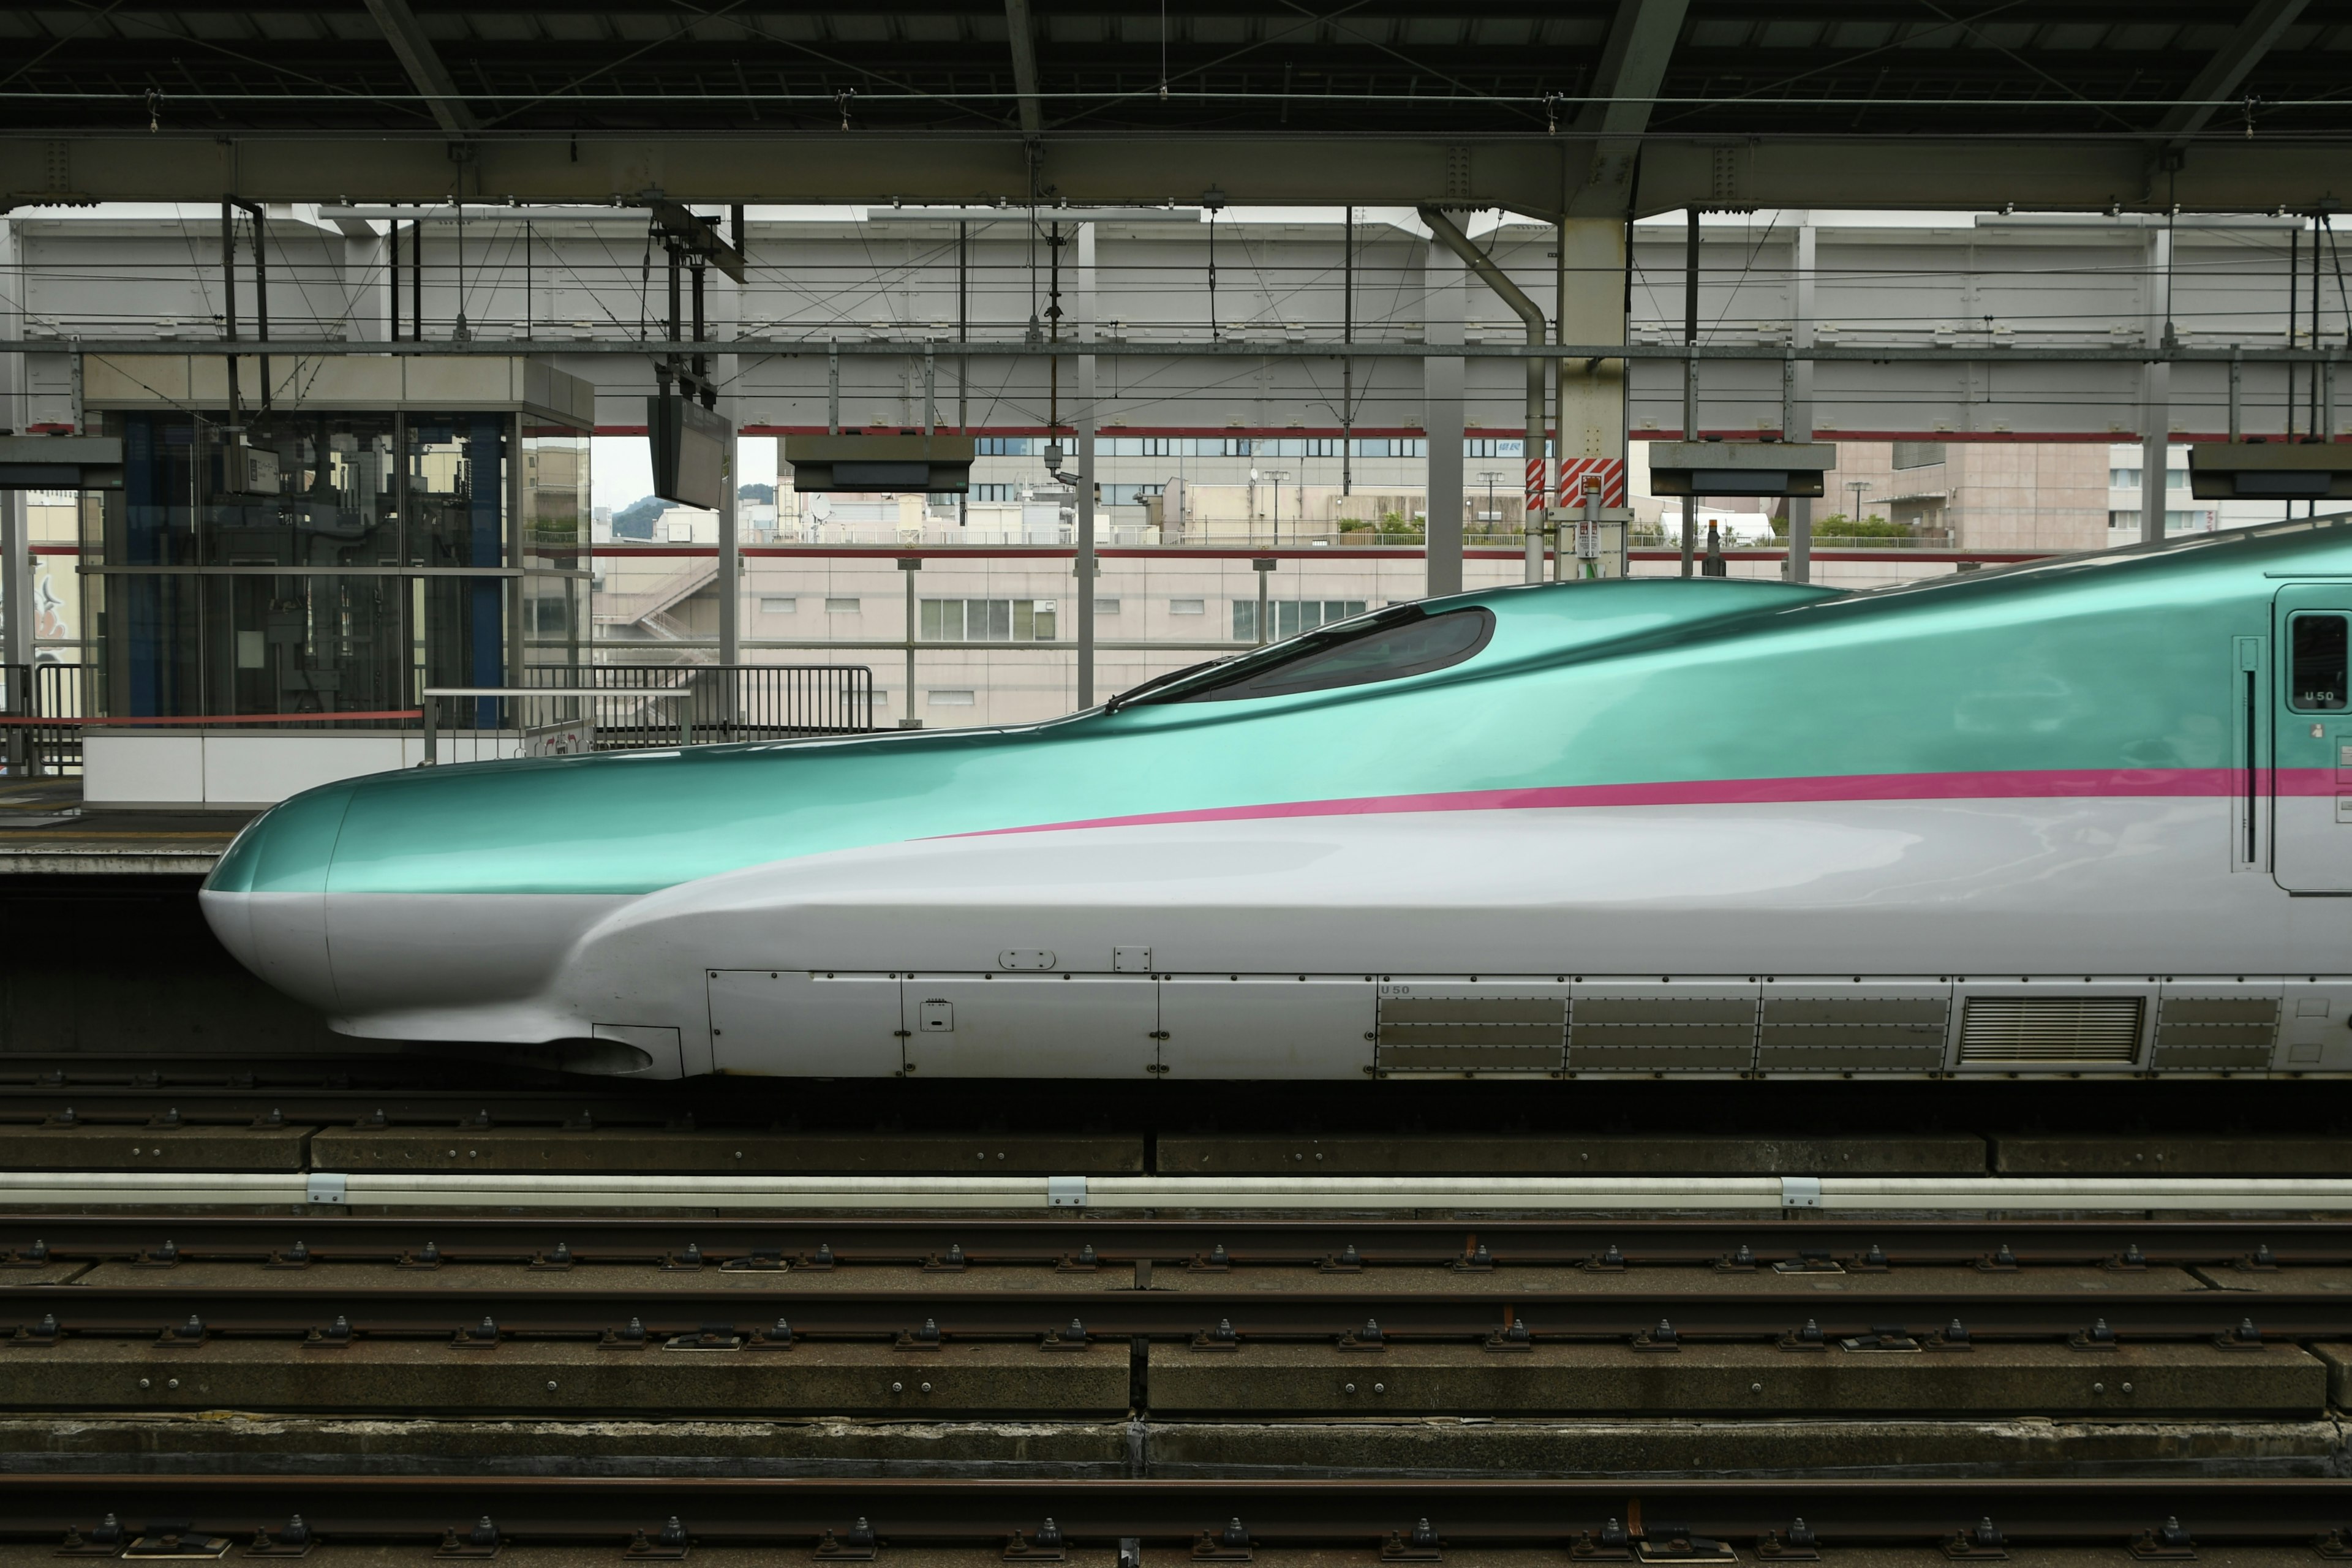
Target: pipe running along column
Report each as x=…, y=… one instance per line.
x=1532, y=450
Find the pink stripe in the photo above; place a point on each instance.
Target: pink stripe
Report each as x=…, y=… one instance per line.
x=2057, y=784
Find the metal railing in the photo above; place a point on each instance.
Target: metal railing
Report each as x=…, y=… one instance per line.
x=633, y=706
x=561, y=711
x=44, y=692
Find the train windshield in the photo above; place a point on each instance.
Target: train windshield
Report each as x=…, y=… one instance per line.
x=1386, y=645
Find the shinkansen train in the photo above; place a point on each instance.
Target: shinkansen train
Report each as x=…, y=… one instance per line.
x=2087, y=817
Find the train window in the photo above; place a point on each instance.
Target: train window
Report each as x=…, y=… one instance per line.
x=2318, y=653
x=1385, y=645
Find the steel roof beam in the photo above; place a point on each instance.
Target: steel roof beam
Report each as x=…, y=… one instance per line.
x=1022, y=36
x=418, y=57
x=2228, y=70
x=1632, y=65
x=1947, y=174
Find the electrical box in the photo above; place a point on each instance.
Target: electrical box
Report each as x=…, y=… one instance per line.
x=249, y=471
x=2270, y=471
x=1740, y=468
x=906, y=463
x=1591, y=545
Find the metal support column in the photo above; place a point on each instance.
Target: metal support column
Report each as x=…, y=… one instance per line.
x=1086, y=433
x=228, y=303
x=1690, y=377
x=1442, y=289
x=730, y=561
x=1799, y=424
x=909, y=566
x=1348, y=366
x=963, y=363
x=2155, y=400
x=1532, y=426
x=16, y=613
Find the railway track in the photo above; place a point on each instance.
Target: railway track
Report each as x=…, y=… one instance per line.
x=1016, y=1302
x=979, y=1318
x=1223, y=1520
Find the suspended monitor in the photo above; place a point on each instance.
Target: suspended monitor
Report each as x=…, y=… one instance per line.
x=906, y=463
x=689, y=445
x=1739, y=467
x=2270, y=471
x=61, y=462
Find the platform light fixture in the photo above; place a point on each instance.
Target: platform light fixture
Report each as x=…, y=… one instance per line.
x=61, y=462
x=906, y=463
x=2270, y=471
x=1740, y=468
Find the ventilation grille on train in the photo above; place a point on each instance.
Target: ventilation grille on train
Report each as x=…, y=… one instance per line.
x=2050, y=1028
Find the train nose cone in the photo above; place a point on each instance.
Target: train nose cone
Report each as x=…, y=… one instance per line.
x=266, y=900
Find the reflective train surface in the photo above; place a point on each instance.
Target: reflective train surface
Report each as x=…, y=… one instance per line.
x=2092, y=816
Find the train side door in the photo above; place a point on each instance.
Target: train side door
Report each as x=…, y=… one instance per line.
x=2311, y=751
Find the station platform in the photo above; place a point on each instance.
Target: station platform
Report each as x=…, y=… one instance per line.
x=45, y=831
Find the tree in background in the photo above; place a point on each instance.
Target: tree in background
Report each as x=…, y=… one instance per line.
x=1837, y=525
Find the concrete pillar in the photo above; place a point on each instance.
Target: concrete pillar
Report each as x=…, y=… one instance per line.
x=1591, y=309
x=1801, y=427
x=1086, y=423
x=1442, y=289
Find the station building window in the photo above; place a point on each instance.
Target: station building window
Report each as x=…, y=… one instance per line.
x=988, y=620
x=1288, y=617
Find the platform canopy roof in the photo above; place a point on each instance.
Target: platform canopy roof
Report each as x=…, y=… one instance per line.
x=1597, y=106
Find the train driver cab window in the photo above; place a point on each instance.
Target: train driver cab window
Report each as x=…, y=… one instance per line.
x=2318, y=657
x=1386, y=644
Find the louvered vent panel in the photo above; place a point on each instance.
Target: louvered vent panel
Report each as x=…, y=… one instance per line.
x=2050, y=1028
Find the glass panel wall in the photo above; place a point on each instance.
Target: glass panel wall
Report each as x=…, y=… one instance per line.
x=327, y=564
x=456, y=512
x=555, y=545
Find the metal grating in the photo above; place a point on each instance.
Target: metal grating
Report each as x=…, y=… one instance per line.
x=2050, y=1028
x=2210, y=1033
x=1463, y=1034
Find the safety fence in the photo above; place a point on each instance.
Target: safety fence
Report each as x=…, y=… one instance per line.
x=48, y=699
x=564, y=712
x=556, y=711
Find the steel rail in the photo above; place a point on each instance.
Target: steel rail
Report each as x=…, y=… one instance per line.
x=1023, y=1305
x=1166, y=1516
x=1487, y=1194
x=1172, y=1242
